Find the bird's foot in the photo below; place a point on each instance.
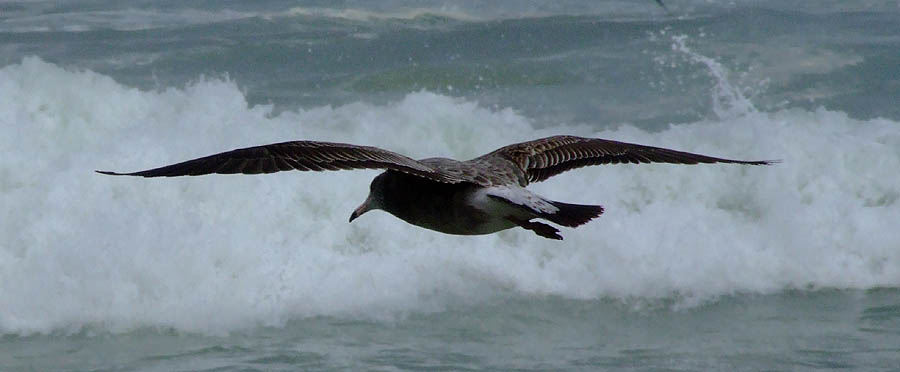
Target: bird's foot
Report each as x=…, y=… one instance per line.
x=541, y=229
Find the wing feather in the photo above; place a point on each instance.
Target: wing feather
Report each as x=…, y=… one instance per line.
x=544, y=158
x=297, y=155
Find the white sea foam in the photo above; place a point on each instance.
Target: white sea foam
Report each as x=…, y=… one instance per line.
x=220, y=253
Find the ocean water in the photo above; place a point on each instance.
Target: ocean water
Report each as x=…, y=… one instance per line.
x=794, y=266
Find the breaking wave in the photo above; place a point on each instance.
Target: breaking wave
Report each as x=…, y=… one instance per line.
x=221, y=253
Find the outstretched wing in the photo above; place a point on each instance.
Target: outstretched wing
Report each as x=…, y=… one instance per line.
x=296, y=155
x=547, y=157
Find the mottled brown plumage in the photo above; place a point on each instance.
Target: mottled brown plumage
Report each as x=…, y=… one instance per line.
x=477, y=196
x=544, y=158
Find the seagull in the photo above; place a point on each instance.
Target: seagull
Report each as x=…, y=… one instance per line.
x=480, y=196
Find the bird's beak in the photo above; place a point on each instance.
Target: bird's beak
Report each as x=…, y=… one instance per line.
x=365, y=207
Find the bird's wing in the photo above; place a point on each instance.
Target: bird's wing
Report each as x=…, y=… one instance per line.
x=297, y=155
x=543, y=158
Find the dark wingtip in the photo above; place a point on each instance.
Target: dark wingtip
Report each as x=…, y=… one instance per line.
x=767, y=162
x=753, y=162
x=111, y=173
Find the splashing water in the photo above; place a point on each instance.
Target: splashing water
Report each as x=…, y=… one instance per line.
x=728, y=102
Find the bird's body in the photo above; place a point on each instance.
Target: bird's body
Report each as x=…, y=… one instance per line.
x=462, y=208
x=445, y=207
x=478, y=196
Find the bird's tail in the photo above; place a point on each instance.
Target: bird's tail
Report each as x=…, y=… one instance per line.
x=573, y=215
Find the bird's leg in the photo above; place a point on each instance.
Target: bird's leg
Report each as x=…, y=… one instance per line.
x=541, y=229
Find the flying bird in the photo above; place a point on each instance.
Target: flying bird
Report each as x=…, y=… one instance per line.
x=483, y=195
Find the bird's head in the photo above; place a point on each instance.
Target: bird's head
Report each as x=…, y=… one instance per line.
x=375, y=200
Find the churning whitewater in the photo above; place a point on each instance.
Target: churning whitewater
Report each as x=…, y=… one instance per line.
x=85, y=250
